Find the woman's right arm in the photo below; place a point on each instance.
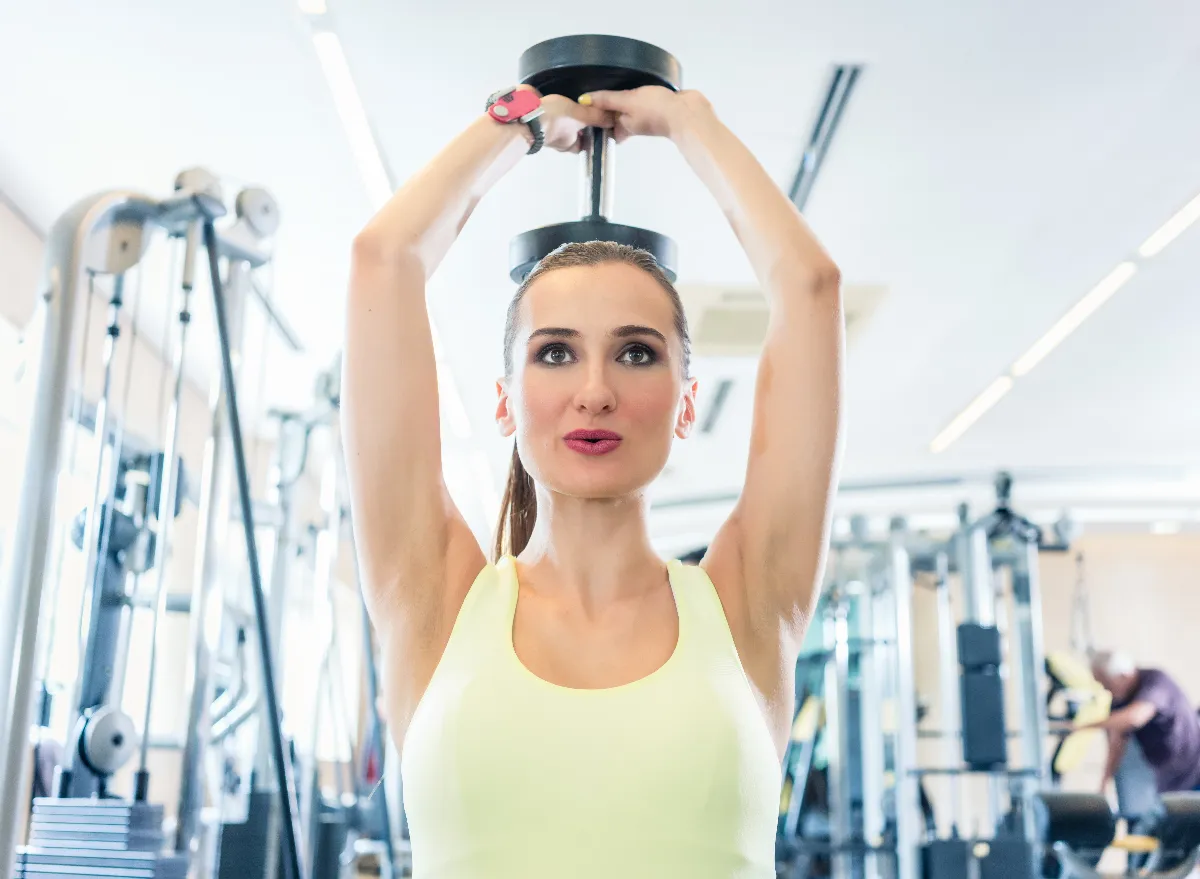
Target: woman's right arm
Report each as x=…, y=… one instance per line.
x=411, y=540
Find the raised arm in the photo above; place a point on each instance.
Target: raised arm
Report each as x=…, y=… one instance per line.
x=411, y=540
x=770, y=552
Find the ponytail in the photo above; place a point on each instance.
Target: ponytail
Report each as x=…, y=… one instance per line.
x=518, y=511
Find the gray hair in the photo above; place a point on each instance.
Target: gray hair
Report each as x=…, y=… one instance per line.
x=1114, y=663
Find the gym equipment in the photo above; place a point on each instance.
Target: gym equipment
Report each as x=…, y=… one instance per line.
x=1077, y=828
x=877, y=818
x=572, y=66
x=106, y=235
x=90, y=837
x=984, y=733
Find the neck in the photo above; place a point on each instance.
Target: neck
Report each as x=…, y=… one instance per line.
x=598, y=550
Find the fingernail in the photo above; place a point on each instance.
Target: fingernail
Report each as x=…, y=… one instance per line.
x=585, y=100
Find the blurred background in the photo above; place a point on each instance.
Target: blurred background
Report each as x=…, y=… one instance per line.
x=1011, y=192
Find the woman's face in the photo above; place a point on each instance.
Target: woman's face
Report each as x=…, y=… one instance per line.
x=597, y=389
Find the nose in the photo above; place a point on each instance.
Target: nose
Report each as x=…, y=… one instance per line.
x=596, y=394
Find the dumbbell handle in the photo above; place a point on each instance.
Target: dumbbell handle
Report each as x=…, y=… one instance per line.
x=597, y=174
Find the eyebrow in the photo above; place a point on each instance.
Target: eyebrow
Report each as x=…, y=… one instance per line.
x=623, y=332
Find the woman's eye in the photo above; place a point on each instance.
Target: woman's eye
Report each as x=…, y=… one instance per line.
x=555, y=354
x=638, y=355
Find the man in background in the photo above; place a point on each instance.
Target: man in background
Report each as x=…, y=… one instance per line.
x=1149, y=705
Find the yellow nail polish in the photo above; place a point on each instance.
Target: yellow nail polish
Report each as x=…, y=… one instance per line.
x=585, y=100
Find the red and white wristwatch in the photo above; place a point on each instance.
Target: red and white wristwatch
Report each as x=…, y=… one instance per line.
x=519, y=105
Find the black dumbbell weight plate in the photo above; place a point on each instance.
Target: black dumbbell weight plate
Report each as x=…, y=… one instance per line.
x=572, y=66
x=529, y=247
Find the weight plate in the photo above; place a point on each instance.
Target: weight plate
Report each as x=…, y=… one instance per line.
x=529, y=247
x=572, y=66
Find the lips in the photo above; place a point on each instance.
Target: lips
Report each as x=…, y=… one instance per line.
x=592, y=442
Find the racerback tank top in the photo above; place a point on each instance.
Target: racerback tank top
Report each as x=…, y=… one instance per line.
x=507, y=776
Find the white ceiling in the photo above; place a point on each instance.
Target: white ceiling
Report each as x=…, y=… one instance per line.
x=995, y=162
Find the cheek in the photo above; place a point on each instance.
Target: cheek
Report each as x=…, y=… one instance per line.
x=541, y=398
x=651, y=400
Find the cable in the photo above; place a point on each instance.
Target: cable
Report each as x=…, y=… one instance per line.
x=293, y=857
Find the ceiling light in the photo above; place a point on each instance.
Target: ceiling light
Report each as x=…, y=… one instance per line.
x=1070, y=321
x=1171, y=229
x=354, y=118
x=974, y=411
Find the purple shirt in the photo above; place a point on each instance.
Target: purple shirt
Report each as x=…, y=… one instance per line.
x=1171, y=740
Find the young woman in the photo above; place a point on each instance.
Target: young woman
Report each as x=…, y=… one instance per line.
x=579, y=707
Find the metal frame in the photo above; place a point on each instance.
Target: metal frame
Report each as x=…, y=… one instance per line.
x=107, y=234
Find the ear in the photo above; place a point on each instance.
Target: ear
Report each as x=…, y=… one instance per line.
x=686, y=418
x=504, y=418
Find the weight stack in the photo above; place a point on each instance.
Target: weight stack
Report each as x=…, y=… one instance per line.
x=70, y=838
x=984, y=731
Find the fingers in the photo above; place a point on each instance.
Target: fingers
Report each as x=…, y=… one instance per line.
x=617, y=102
x=591, y=115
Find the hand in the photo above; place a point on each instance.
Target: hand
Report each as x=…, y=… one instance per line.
x=650, y=110
x=564, y=121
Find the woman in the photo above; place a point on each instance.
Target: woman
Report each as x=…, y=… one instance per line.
x=585, y=709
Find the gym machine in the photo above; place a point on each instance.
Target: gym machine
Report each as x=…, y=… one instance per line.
x=573, y=66
x=350, y=822
x=874, y=816
x=1075, y=829
x=105, y=236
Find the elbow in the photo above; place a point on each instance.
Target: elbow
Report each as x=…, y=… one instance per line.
x=372, y=250
x=819, y=276
x=825, y=277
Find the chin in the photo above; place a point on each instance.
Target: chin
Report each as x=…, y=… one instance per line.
x=599, y=478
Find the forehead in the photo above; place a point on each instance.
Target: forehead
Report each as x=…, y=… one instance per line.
x=596, y=299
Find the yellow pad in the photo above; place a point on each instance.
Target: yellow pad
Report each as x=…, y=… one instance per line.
x=807, y=718
x=1095, y=710
x=1076, y=746
x=1072, y=671
x=1136, y=845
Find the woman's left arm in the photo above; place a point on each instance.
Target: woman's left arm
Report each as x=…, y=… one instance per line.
x=770, y=552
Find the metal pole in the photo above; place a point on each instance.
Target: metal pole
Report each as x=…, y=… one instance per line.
x=89, y=608
x=948, y=677
x=167, y=496
x=293, y=856
x=598, y=174
x=872, y=661
x=293, y=435
x=837, y=727
x=103, y=232
x=116, y=684
x=216, y=483
x=1027, y=600
x=908, y=833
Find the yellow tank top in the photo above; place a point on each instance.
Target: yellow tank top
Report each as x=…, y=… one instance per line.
x=507, y=776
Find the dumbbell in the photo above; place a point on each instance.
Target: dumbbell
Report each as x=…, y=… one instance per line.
x=573, y=66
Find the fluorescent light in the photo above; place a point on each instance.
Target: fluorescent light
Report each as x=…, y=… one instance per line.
x=1171, y=229
x=354, y=118
x=1166, y=527
x=312, y=7
x=1070, y=321
x=971, y=414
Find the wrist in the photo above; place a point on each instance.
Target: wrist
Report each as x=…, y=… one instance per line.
x=693, y=112
x=508, y=134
